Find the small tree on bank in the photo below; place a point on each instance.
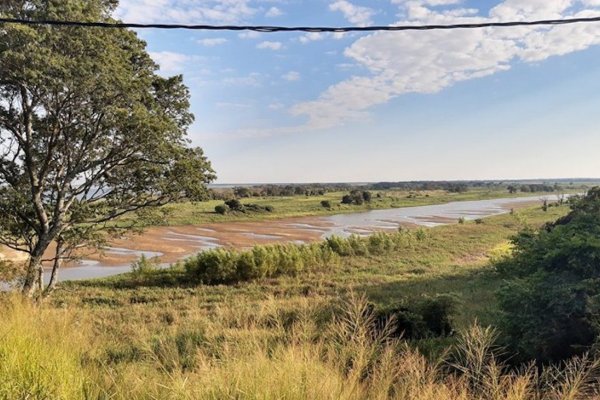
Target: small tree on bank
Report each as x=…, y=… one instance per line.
x=88, y=133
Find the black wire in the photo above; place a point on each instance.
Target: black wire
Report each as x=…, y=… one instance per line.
x=271, y=29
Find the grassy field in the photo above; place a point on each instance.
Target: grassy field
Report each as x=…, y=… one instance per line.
x=299, y=206
x=289, y=337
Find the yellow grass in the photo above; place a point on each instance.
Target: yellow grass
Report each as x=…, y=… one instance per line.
x=61, y=354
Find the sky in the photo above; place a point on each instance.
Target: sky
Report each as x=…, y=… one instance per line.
x=494, y=103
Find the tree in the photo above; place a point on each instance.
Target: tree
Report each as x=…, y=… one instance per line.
x=347, y=199
x=221, y=209
x=367, y=196
x=88, y=133
x=235, y=205
x=242, y=192
x=551, y=300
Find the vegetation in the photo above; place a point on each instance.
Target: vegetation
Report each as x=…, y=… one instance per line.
x=224, y=266
x=357, y=197
x=189, y=213
x=236, y=206
x=159, y=334
x=88, y=133
x=550, y=299
x=274, y=352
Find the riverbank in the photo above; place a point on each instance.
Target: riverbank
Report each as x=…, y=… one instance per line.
x=170, y=244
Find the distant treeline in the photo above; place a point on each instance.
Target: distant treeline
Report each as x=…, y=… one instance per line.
x=316, y=189
x=535, y=188
x=319, y=189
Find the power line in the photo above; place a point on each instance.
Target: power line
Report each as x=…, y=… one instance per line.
x=315, y=29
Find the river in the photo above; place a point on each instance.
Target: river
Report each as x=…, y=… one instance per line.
x=173, y=243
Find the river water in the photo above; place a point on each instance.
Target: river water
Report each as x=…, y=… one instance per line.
x=298, y=230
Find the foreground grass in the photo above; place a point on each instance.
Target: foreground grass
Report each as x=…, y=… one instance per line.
x=308, y=336
x=302, y=206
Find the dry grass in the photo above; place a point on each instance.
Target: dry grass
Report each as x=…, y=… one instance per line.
x=52, y=354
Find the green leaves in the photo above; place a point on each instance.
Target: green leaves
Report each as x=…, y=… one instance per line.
x=549, y=301
x=88, y=130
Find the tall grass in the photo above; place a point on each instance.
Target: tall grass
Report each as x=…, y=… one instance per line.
x=264, y=353
x=40, y=353
x=227, y=266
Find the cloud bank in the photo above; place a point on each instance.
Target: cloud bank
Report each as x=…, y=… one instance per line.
x=428, y=62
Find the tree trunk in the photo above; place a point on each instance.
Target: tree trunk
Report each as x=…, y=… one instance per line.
x=32, y=276
x=55, y=267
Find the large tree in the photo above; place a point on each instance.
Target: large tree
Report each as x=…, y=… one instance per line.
x=88, y=132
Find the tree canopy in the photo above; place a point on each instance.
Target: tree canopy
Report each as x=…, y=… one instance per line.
x=551, y=298
x=88, y=131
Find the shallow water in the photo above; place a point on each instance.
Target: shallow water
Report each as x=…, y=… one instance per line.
x=362, y=223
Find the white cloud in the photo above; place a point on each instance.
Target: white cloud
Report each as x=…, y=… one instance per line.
x=268, y=45
x=212, y=42
x=273, y=12
x=356, y=15
x=427, y=62
x=292, y=76
x=249, y=35
x=311, y=37
x=186, y=11
x=169, y=62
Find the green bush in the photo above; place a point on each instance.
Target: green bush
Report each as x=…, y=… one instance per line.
x=420, y=319
x=225, y=266
x=326, y=204
x=347, y=199
x=235, y=205
x=144, y=266
x=551, y=299
x=221, y=209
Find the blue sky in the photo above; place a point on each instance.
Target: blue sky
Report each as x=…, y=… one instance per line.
x=291, y=107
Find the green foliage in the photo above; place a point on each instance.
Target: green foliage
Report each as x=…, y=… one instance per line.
x=326, y=204
x=226, y=266
x=347, y=199
x=367, y=196
x=419, y=318
x=144, y=266
x=223, y=266
x=551, y=299
x=235, y=205
x=221, y=209
x=90, y=131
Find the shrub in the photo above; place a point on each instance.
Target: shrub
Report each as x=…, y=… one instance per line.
x=551, y=297
x=366, y=195
x=144, y=266
x=462, y=220
x=326, y=204
x=221, y=209
x=420, y=319
x=224, y=266
x=347, y=199
x=235, y=205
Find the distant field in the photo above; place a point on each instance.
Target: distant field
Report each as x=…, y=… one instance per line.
x=297, y=206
